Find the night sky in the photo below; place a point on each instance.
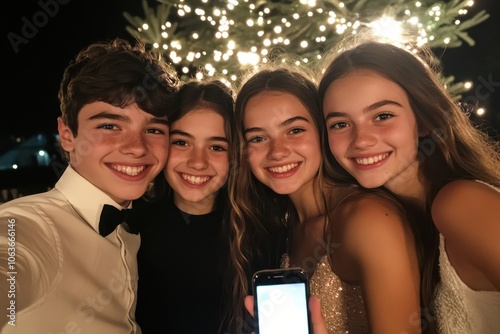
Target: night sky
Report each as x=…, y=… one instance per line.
x=31, y=74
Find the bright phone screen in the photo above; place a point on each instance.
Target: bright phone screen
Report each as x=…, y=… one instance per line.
x=282, y=308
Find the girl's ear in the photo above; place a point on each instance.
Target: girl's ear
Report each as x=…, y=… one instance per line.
x=65, y=135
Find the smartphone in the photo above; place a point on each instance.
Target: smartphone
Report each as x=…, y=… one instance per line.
x=281, y=301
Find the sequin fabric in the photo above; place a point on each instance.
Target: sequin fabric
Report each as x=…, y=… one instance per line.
x=459, y=309
x=341, y=303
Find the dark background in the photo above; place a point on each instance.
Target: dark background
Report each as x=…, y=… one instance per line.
x=31, y=75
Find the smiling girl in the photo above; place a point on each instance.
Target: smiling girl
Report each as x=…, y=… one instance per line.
x=183, y=252
x=392, y=124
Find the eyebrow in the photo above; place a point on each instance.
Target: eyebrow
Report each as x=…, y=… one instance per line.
x=108, y=115
x=284, y=123
x=366, y=109
x=185, y=134
x=158, y=120
x=119, y=117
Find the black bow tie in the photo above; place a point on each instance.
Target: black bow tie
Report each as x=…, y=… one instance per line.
x=111, y=217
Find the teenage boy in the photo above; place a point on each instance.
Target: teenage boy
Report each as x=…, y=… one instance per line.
x=62, y=270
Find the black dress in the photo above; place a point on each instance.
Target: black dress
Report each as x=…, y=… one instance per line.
x=181, y=263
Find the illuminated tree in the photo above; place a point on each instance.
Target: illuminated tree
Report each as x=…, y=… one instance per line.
x=217, y=37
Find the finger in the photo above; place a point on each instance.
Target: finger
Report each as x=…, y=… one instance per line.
x=317, y=319
x=249, y=304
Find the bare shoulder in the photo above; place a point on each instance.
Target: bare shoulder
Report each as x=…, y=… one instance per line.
x=369, y=210
x=467, y=214
x=460, y=191
x=465, y=202
x=378, y=242
x=372, y=221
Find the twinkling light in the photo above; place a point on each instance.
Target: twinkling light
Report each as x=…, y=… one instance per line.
x=387, y=27
x=413, y=20
x=248, y=58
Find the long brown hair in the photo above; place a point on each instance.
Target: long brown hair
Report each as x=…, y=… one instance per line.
x=260, y=218
x=451, y=148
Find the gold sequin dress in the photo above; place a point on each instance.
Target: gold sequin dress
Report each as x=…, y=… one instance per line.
x=341, y=303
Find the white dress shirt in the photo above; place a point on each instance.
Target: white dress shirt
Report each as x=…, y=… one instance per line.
x=62, y=276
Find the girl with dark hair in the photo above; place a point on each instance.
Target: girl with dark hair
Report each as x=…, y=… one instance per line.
x=184, y=245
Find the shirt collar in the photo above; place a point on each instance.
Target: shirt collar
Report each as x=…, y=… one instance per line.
x=86, y=199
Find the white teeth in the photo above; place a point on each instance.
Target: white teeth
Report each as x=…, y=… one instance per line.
x=283, y=169
x=195, y=179
x=371, y=160
x=129, y=170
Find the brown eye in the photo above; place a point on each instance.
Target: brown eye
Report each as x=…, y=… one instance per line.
x=338, y=125
x=296, y=131
x=383, y=117
x=218, y=148
x=179, y=142
x=256, y=139
x=107, y=126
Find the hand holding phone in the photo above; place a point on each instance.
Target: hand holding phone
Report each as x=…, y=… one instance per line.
x=281, y=301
